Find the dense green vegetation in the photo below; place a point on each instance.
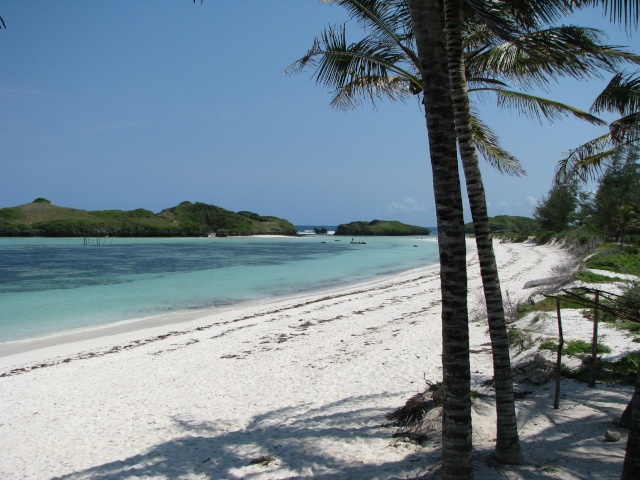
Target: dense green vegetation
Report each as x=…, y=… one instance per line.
x=380, y=227
x=615, y=259
x=508, y=225
x=610, y=213
x=41, y=218
x=623, y=371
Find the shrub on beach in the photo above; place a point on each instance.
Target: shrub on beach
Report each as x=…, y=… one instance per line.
x=615, y=259
x=623, y=371
x=573, y=348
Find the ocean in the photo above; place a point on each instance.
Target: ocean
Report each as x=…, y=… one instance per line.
x=50, y=286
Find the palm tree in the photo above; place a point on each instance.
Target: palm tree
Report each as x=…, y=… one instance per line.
x=456, y=428
x=384, y=64
x=508, y=448
x=627, y=12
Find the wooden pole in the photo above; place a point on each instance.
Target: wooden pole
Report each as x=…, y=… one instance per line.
x=594, y=343
x=556, y=400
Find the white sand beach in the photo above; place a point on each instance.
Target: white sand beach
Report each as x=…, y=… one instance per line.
x=304, y=383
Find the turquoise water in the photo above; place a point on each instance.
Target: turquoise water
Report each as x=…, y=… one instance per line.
x=49, y=286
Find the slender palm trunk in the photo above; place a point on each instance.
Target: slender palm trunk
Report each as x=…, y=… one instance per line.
x=456, y=434
x=631, y=467
x=508, y=444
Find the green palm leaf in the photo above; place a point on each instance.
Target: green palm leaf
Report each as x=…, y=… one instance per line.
x=626, y=129
x=621, y=95
x=367, y=67
x=620, y=11
x=540, y=56
x=488, y=144
x=588, y=160
x=387, y=21
x=352, y=94
x=537, y=108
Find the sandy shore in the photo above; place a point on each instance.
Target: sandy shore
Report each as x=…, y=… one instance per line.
x=305, y=381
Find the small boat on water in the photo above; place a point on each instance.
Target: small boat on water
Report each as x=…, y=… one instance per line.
x=358, y=243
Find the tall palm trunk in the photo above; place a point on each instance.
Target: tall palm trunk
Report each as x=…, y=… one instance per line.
x=631, y=466
x=456, y=434
x=508, y=443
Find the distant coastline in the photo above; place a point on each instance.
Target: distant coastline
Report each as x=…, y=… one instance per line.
x=41, y=218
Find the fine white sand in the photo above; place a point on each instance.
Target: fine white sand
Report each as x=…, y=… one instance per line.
x=306, y=381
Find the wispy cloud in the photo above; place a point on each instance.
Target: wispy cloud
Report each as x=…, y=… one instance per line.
x=408, y=205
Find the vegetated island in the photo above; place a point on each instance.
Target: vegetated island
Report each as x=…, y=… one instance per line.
x=380, y=227
x=41, y=218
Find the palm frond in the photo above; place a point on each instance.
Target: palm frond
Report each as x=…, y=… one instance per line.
x=389, y=15
x=490, y=14
x=623, y=12
x=621, y=95
x=626, y=130
x=477, y=37
x=368, y=67
x=536, y=107
x=351, y=96
x=588, y=160
x=387, y=21
x=540, y=57
x=480, y=83
x=533, y=13
x=488, y=144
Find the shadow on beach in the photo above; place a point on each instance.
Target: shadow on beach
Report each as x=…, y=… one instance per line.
x=567, y=443
x=288, y=443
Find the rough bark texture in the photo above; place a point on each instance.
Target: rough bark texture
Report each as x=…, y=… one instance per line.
x=631, y=467
x=456, y=434
x=508, y=448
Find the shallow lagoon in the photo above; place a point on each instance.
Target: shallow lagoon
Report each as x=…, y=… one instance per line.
x=49, y=286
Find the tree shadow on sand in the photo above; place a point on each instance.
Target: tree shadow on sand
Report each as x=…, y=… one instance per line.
x=284, y=443
x=569, y=441
x=345, y=440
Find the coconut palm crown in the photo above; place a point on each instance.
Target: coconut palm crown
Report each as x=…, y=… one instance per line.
x=384, y=65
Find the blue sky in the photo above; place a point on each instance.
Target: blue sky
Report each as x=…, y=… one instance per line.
x=147, y=103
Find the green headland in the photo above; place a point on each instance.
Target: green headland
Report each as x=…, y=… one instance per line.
x=41, y=218
x=380, y=227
